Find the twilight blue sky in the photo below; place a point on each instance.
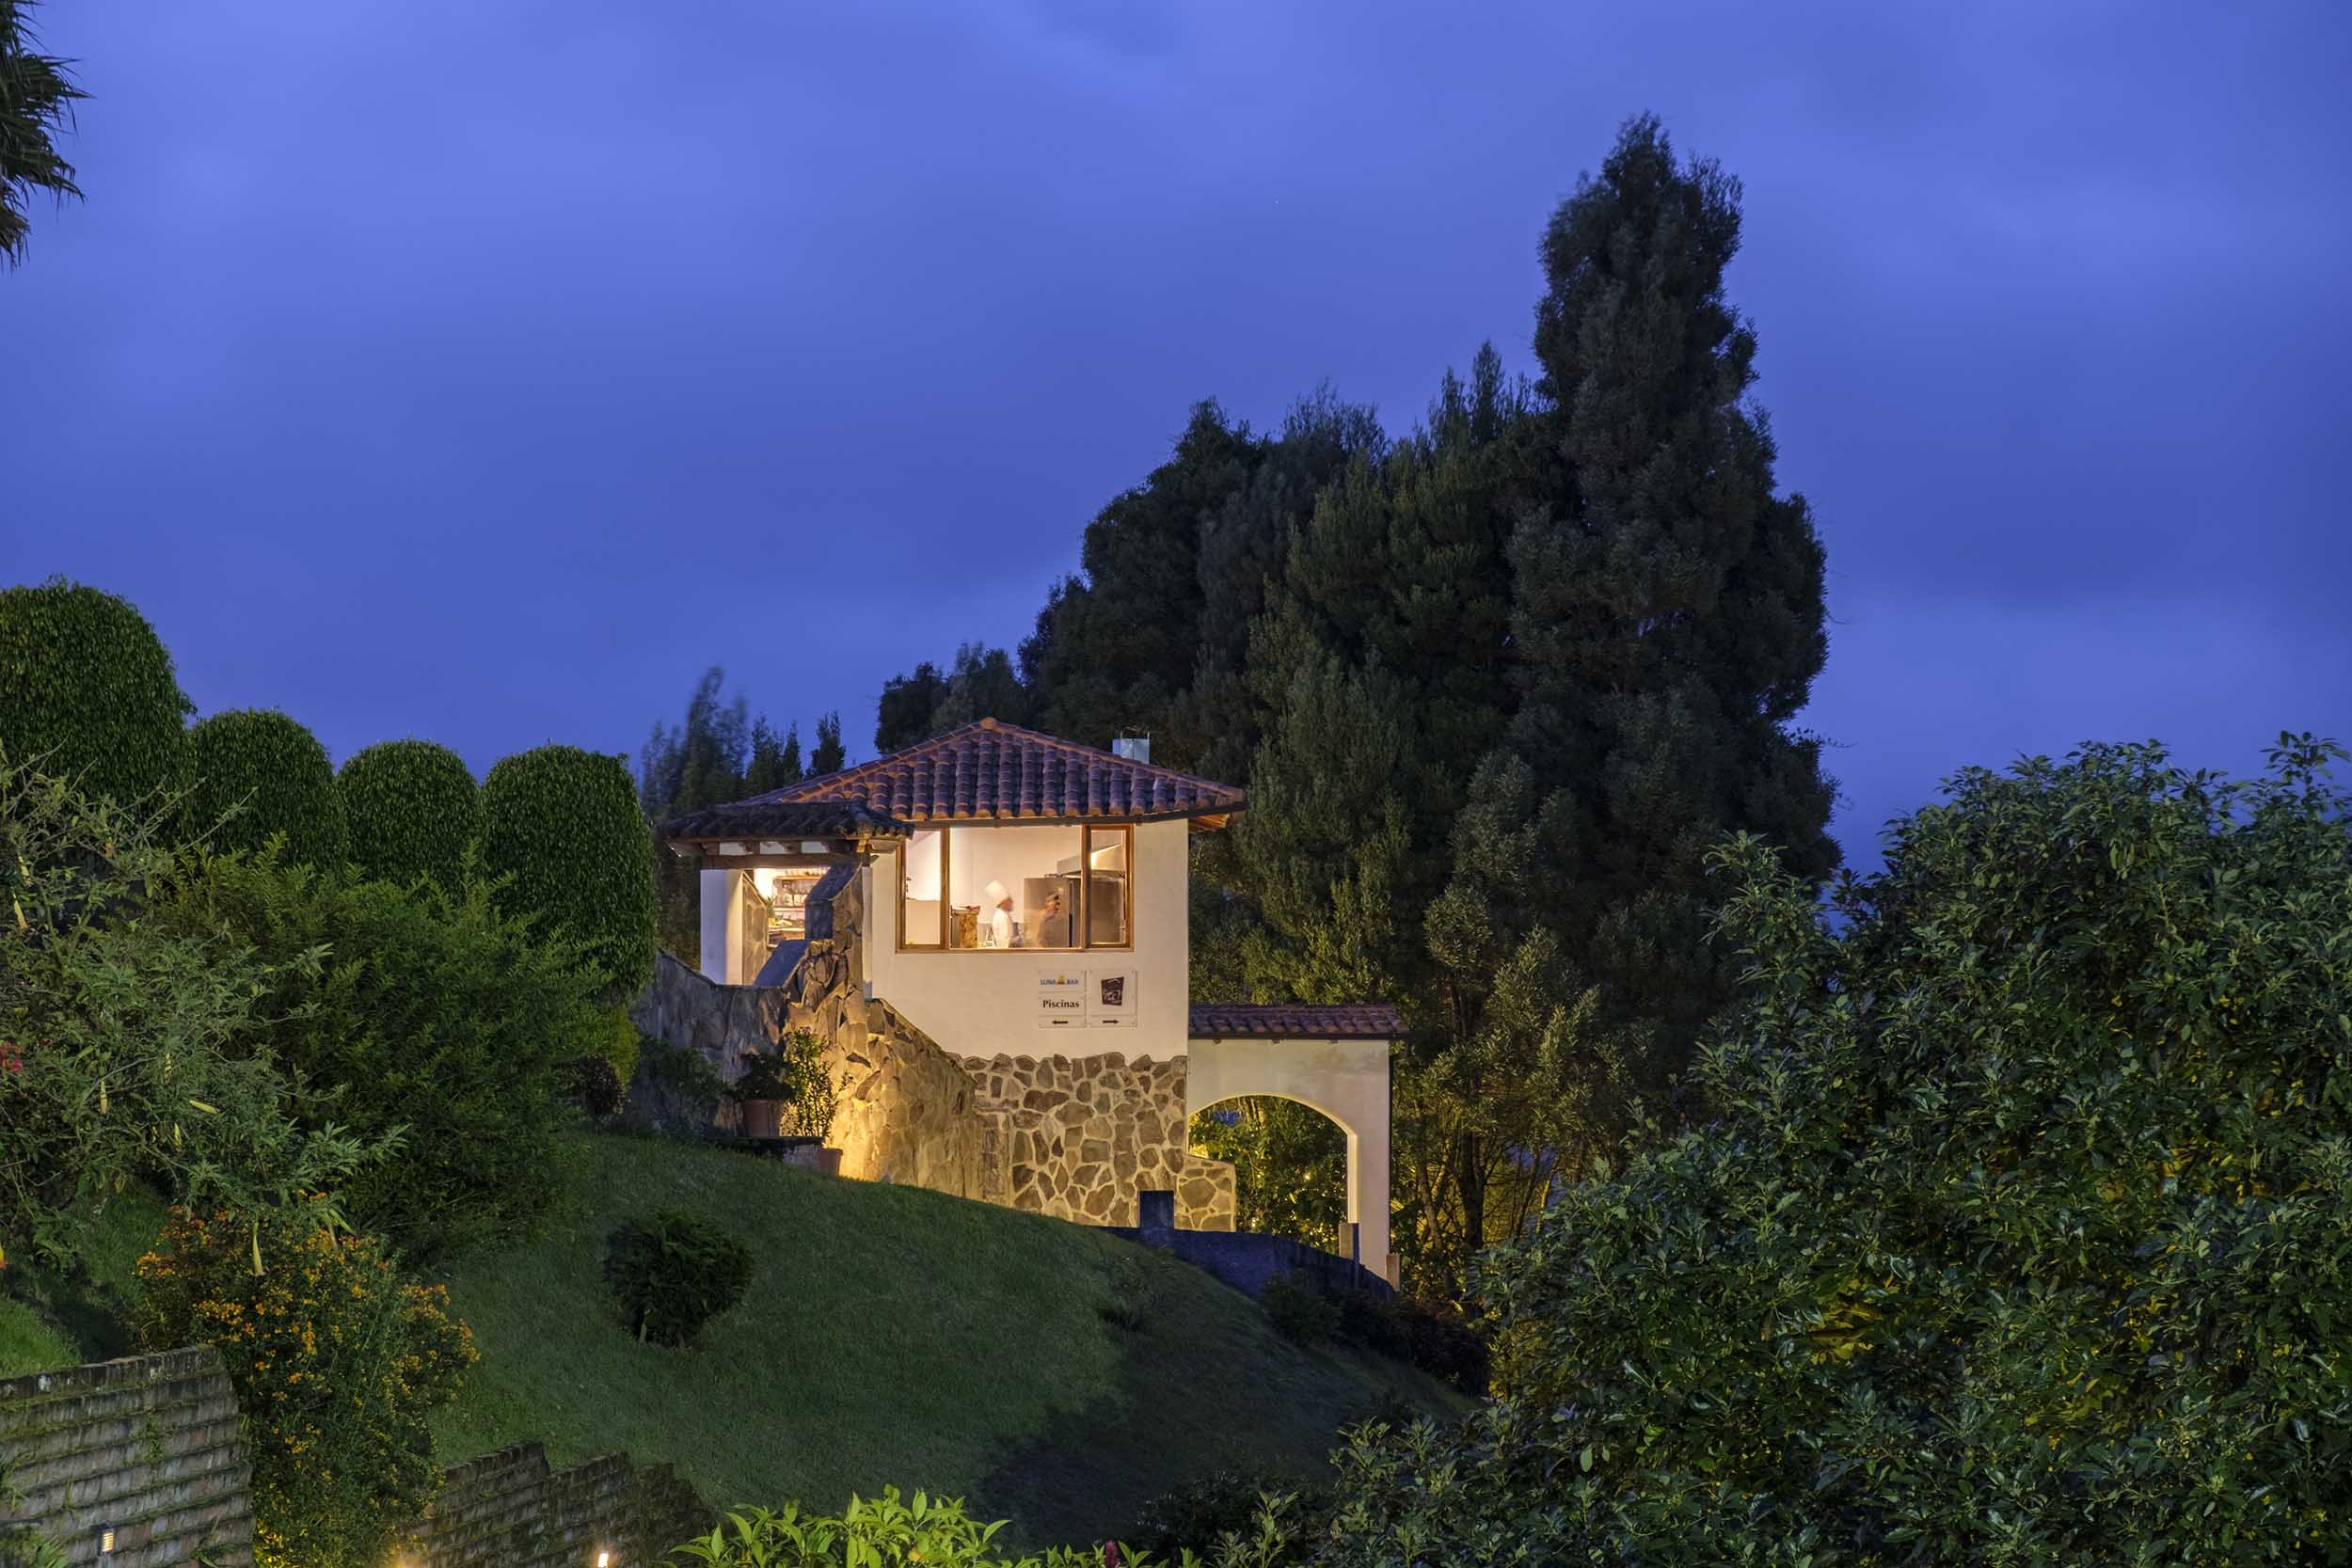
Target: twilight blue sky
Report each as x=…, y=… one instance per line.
x=484, y=371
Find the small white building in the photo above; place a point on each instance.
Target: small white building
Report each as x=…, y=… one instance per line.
x=1019, y=903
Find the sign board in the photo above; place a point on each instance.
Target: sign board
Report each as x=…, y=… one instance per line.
x=1061, y=999
x=1111, y=998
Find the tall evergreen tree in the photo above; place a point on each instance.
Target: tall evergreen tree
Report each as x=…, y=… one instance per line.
x=775, y=759
x=1113, y=650
x=698, y=763
x=1665, y=623
x=908, y=703
x=829, y=756
x=983, y=685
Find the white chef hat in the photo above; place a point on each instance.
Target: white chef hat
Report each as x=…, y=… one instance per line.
x=994, y=894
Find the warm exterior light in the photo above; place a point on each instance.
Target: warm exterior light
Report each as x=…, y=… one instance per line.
x=604, y=1559
x=106, y=1540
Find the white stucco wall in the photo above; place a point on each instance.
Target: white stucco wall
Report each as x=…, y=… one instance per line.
x=982, y=1001
x=721, y=929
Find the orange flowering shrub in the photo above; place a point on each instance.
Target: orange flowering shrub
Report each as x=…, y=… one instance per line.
x=337, y=1362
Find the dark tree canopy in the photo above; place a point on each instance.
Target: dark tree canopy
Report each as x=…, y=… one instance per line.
x=908, y=701
x=253, y=774
x=87, y=690
x=414, y=810
x=829, y=755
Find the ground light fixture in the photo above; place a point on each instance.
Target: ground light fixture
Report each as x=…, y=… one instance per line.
x=106, y=1540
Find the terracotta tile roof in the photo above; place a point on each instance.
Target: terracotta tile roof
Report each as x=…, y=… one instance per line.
x=990, y=771
x=763, y=818
x=1284, y=1020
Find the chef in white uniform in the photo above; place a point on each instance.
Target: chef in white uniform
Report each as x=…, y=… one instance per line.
x=999, y=916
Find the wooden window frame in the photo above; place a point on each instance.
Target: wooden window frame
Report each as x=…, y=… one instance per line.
x=1081, y=920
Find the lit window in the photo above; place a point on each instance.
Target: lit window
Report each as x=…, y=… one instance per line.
x=1034, y=887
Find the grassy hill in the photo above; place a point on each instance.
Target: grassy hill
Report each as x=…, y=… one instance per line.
x=896, y=1335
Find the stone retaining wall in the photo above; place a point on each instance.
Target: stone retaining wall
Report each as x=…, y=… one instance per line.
x=511, y=1510
x=152, y=1448
x=149, y=1446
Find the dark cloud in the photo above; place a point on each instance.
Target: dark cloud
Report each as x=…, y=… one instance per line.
x=482, y=372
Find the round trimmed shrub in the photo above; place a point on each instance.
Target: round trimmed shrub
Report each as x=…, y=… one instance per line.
x=414, y=810
x=87, y=689
x=674, y=1272
x=564, y=826
x=253, y=772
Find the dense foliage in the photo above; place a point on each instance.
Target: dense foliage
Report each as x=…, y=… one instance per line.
x=87, y=689
x=2019, y=1234
x=125, y=1048
x=673, y=1272
x=436, y=1016
x=882, y=1533
x=562, y=836
x=37, y=99
x=674, y=1093
x=254, y=775
x=593, y=1085
x=336, y=1364
x=413, y=809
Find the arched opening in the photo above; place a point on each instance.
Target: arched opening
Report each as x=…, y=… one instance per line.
x=1290, y=1165
x=1344, y=1082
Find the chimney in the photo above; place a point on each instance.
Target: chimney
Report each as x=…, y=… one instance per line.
x=1135, y=748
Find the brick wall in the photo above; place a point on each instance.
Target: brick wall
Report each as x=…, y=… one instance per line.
x=149, y=1446
x=152, y=1448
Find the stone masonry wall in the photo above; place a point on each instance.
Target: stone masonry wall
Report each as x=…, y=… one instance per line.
x=1081, y=1136
x=149, y=1446
x=511, y=1510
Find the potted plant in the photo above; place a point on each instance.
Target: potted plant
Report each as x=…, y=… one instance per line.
x=807, y=1110
x=761, y=1093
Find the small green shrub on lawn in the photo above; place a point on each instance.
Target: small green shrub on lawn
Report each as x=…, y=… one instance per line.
x=253, y=774
x=87, y=693
x=562, y=827
x=414, y=810
x=590, y=1083
x=337, y=1363
x=674, y=1272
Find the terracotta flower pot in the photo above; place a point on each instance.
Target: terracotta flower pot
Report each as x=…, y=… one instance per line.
x=760, y=1117
x=829, y=1162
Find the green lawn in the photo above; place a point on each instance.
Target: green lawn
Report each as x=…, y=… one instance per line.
x=896, y=1335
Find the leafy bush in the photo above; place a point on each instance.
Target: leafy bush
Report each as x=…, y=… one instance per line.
x=1297, y=1313
x=590, y=1083
x=2019, y=1232
x=674, y=1093
x=563, y=825
x=674, y=1272
x=414, y=810
x=1199, y=1515
x=881, y=1532
x=87, y=693
x=1404, y=1328
x=253, y=773
x=430, y=1013
x=795, y=1075
x=124, y=1045
x=337, y=1363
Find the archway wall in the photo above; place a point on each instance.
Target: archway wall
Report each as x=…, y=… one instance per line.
x=1345, y=1080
